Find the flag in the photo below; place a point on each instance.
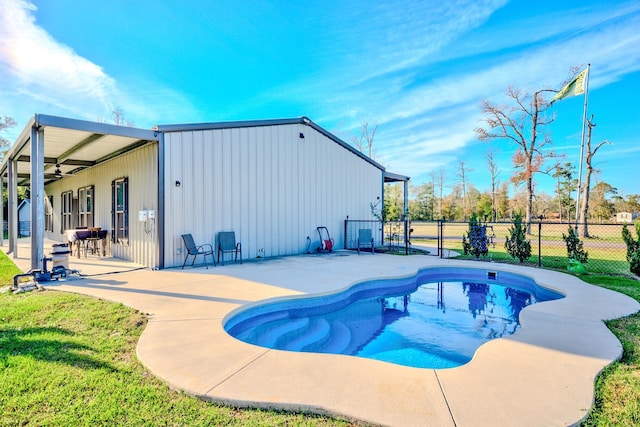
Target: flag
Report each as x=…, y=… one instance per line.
x=574, y=88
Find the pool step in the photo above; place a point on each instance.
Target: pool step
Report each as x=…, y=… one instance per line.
x=317, y=330
x=269, y=336
x=339, y=339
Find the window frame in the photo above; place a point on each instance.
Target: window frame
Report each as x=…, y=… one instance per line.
x=66, y=211
x=120, y=210
x=86, y=197
x=48, y=213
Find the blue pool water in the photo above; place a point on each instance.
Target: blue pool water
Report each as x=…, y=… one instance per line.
x=435, y=319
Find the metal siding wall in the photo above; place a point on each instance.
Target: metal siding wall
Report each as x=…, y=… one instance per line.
x=265, y=183
x=141, y=167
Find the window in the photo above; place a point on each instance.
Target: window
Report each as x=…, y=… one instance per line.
x=85, y=207
x=67, y=211
x=120, y=210
x=48, y=213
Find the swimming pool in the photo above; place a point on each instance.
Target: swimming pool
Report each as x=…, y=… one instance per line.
x=435, y=319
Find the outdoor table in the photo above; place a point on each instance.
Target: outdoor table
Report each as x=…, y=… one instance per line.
x=87, y=237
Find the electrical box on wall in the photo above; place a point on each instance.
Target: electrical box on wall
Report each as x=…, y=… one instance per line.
x=151, y=214
x=142, y=216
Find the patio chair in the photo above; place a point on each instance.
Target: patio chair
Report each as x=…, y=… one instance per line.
x=227, y=243
x=194, y=250
x=365, y=240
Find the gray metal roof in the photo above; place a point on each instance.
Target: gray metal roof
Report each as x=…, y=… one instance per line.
x=78, y=144
x=73, y=144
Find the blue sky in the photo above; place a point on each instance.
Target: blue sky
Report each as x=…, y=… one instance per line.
x=419, y=69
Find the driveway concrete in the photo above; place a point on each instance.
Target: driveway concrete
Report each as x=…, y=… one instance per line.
x=541, y=376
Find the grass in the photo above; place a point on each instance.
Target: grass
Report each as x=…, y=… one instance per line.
x=617, y=401
x=601, y=259
x=68, y=359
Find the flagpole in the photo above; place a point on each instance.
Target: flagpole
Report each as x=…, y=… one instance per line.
x=584, y=122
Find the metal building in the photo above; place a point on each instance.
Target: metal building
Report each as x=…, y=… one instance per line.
x=272, y=182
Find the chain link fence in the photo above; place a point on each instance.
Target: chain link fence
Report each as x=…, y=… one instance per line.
x=388, y=236
x=605, y=247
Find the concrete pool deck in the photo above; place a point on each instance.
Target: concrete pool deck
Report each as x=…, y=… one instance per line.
x=543, y=375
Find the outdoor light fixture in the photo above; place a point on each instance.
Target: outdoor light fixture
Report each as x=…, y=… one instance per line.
x=58, y=172
x=301, y=135
x=178, y=184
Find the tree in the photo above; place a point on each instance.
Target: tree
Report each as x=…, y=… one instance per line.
x=587, y=180
x=485, y=206
x=364, y=142
x=493, y=170
x=565, y=183
x=393, y=202
x=503, y=209
x=422, y=204
x=119, y=119
x=522, y=123
x=462, y=175
x=438, y=183
x=476, y=241
x=574, y=246
x=516, y=243
x=6, y=122
x=633, y=247
x=602, y=208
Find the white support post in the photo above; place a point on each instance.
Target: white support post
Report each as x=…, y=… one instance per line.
x=37, y=197
x=12, y=206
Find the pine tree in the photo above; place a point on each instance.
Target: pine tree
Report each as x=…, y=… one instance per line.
x=476, y=241
x=574, y=246
x=633, y=247
x=516, y=244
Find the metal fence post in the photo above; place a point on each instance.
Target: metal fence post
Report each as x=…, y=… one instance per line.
x=540, y=241
x=346, y=221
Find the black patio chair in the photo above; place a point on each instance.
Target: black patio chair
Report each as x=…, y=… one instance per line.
x=194, y=250
x=227, y=243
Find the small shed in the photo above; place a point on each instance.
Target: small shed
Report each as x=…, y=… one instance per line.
x=24, y=218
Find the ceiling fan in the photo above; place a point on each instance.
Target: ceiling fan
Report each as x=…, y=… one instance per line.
x=58, y=172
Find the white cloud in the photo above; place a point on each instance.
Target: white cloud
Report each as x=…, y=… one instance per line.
x=40, y=68
x=40, y=74
x=436, y=118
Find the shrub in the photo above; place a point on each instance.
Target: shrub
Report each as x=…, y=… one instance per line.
x=633, y=247
x=574, y=246
x=476, y=241
x=516, y=244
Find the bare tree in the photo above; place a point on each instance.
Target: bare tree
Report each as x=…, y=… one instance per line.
x=522, y=123
x=440, y=177
x=462, y=175
x=6, y=122
x=493, y=170
x=364, y=142
x=119, y=119
x=587, y=180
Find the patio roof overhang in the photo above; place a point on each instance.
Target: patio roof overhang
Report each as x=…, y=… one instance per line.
x=50, y=148
x=72, y=144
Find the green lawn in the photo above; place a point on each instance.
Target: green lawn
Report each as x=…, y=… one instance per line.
x=618, y=387
x=68, y=359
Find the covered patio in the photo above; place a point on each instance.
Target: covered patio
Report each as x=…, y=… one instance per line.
x=50, y=149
